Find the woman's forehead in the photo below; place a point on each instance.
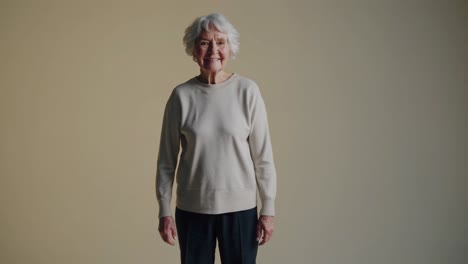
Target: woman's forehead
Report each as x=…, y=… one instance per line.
x=213, y=33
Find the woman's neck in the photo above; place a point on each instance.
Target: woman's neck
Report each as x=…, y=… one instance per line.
x=213, y=77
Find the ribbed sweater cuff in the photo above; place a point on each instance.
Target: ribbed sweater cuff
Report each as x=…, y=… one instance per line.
x=164, y=208
x=268, y=208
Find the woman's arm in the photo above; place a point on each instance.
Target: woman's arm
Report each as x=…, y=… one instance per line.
x=265, y=172
x=168, y=154
x=262, y=155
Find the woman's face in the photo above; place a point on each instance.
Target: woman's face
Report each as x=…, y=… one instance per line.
x=212, y=50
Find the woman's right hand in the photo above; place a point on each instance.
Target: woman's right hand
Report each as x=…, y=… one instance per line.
x=167, y=229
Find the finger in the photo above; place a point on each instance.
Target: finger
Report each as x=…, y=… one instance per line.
x=266, y=238
x=166, y=235
x=170, y=238
x=174, y=232
x=267, y=234
x=259, y=232
x=263, y=240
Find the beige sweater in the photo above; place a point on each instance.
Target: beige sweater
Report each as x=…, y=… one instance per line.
x=226, y=150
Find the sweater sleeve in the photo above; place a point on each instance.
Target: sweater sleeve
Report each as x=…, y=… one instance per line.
x=262, y=155
x=168, y=154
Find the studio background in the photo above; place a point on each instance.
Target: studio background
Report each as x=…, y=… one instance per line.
x=367, y=104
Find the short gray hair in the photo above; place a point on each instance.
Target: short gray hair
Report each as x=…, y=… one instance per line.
x=203, y=23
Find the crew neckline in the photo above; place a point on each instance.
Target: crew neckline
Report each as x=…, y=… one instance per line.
x=215, y=86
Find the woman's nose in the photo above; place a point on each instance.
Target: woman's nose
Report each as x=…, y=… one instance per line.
x=213, y=46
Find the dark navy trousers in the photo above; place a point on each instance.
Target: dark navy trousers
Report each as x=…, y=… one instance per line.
x=235, y=233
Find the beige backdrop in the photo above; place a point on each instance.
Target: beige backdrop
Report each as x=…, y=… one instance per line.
x=367, y=103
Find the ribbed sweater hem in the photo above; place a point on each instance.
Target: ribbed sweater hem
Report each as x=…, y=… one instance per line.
x=216, y=201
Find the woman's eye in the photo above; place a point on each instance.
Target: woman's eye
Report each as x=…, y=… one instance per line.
x=220, y=43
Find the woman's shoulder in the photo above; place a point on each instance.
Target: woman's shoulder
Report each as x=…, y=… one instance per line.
x=183, y=87
x=247, y=81
x=185, y=84
x=249, y=85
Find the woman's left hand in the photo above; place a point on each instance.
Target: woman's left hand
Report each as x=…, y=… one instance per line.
x=265, y=228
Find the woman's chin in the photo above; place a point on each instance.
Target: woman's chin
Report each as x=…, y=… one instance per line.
x=212, y=69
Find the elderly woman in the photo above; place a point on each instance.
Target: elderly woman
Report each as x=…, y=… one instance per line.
x=220, y=121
